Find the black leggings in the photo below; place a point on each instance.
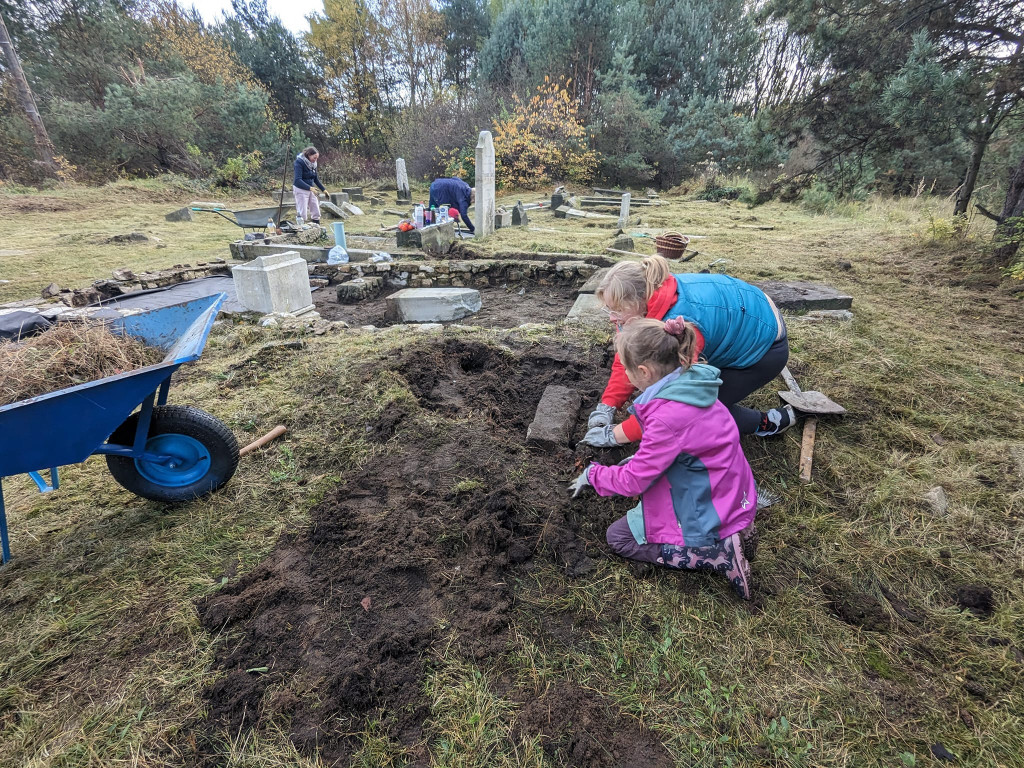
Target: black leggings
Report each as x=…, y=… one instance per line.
x=738, y=383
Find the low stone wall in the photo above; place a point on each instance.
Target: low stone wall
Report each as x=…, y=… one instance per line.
x=125, y=281
x=459, y=274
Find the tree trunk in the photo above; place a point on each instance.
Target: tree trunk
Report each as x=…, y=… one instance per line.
x=44, y=147
x=966, y=190
x=1010, y=229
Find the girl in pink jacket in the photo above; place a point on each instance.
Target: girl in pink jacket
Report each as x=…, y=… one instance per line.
x=698, y=496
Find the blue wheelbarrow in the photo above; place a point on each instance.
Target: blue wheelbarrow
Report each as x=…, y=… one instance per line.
x=162, y=452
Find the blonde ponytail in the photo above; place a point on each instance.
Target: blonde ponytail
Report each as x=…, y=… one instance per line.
x=665, y=346
x=630, y=285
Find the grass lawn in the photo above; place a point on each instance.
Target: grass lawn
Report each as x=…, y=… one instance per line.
x=230, y=631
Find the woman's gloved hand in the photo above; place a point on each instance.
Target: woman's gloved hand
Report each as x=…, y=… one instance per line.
x=580, y=482
x=601, y=437
x=601, y=416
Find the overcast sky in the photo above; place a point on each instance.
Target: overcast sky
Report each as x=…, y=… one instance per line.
x=292, y=13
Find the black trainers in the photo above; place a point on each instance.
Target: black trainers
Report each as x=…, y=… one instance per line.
x=776, y=421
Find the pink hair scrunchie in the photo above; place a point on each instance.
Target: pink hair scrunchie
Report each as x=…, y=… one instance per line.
x=675, y=326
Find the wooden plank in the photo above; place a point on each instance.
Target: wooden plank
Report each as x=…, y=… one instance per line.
x=807, y=448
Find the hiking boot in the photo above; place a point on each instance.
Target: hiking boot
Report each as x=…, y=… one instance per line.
x=737, y=569
x=776, y=421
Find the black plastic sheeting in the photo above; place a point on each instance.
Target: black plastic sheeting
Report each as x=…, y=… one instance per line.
x=15, y=326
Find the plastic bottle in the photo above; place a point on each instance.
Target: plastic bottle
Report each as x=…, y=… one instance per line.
x=428, y=216
x=298, y=220
x=433, y=215
x=417, y=216
x=271, y=227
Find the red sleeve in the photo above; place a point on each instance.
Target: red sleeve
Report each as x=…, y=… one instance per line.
x=619, y=386
x=631, y=428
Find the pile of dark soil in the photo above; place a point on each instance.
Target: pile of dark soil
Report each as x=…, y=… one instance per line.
x=66, y=355
x=418, y=552
x=501, y=307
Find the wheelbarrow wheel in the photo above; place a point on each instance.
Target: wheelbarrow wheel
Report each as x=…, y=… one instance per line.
x=206, y=451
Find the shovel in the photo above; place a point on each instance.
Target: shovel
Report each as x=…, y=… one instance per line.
x=813, y=404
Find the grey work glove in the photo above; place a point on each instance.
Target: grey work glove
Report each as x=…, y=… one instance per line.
x=580, y=482
x=601, y=437
x=601, y=416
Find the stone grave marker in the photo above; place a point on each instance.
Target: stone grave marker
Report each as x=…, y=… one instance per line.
x=276, y=283
x=485, y=185
x=555, y=417
x=798, y=296
x=182, y=214
x=402, y=179
x=588, y=311
x=624, y=212
x=432, y=305
x=519, y=217
x=502, y=218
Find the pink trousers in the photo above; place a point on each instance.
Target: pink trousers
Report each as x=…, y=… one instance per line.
x=306, y=204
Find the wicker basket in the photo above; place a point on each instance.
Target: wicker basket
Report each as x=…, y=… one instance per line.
x=671, y=245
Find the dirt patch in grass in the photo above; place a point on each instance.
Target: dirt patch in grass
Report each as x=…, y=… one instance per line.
x=424, y=546
x=501, y=307
x=577, y=728
x=36, y=204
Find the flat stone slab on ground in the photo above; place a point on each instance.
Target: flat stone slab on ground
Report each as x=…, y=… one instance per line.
x=593, y=281
x=588, y=311
x=800, y=295
x=555, y=417
x=432, y=305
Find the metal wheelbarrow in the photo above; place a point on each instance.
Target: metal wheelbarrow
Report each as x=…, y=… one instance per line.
x=162, y=452
x=248, y=218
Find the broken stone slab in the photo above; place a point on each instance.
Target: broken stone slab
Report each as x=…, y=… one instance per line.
x=123, y=275
x=354, y=193
x=310, y=234
x=799, y=296
x=555, y=418
x=360, y=289
x=502, y=218
x=588, y=311
x=331, y=208
x=827, y=316
x=314, y=254
x=349, y=208
x=393, y=212
x=274, y=284
x=50, y=291
x=432, y=305
x=182, y=214
x=207, y=204
x=519, y=217
x=593, y=281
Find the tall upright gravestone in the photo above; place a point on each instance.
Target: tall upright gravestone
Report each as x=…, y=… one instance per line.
x=484, y=185
x=624, y=211
x=404, y=194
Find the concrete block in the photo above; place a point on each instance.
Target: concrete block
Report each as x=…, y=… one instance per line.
x=555, y=417
x=432, y=305
x=799, y=296
x=249, y=251
x=277, y=283
x=360, y=289
x=624, y=243
x=338, y=198
x=588, y=311
x=502, y=218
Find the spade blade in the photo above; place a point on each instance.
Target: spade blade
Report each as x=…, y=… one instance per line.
x=812, y=402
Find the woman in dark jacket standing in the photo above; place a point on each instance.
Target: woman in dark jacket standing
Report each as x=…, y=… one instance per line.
x=306, y=203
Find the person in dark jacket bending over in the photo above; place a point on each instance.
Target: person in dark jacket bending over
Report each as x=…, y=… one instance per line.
x=457, y=195
x=306, y=204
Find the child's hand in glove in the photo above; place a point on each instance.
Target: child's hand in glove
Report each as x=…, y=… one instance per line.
x=580, y=482
x=601, y=437
x=601, y=416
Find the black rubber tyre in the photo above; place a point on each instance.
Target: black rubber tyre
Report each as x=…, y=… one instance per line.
x=181, y=421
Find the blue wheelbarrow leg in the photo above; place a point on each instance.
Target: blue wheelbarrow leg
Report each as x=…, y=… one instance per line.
x=5, y=545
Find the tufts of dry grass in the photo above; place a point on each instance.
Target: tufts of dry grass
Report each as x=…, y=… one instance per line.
x=66, y=355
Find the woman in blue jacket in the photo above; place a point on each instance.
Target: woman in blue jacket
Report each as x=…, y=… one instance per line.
x=306, y=203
